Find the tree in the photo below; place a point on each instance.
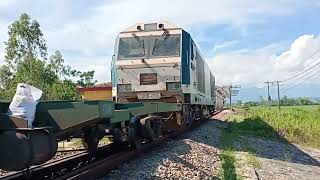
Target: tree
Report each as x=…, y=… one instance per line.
x=25, y=41
x=284, y=101
x=23, y=48
x=5, y=76
x=292, y=102
x=86, y=79
x=63, y=90
x=26, y=61
x=305, y=101
x=56, y=62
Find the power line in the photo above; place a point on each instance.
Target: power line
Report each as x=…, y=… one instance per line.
x=304, y=71
x=310, y=76
x=305, y=75
x=296, y=74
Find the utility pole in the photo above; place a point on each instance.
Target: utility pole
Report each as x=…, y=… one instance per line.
x=279, y=106
x=230, y=96
x=269, y=98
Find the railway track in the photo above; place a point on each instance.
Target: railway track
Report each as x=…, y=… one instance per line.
x=58, y=168
x=92, y=166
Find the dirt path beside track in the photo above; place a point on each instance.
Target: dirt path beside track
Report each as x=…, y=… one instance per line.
x=262, y=158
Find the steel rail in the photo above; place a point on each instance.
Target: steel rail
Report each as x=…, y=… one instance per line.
x=91, y=166
x=60, y=166
x=103, y=166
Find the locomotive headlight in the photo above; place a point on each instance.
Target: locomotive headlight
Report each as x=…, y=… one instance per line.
x=124, y=87
x=173, y=86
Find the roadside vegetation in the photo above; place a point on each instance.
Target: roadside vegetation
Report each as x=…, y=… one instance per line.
x=285, y=101
x=232, y=142
x=297, y=124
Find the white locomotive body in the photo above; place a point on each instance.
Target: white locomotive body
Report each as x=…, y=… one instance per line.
x=159, y=62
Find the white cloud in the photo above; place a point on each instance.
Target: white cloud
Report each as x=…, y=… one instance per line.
x=1, y=58
x=253, y=67
x=224, y=45
x=3, y=38
x=298, y=54
x=89, y=31
x=99, y=29
x=6, y=3
x=96, y=32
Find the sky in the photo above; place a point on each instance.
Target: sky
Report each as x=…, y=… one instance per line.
x=245, y=42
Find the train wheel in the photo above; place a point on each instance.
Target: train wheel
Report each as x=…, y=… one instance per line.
x=15, y=151
x=186, y=116
x=89, y=141
x=118, y=136
x=134, y=139
x=152, y=127
x=134, y=133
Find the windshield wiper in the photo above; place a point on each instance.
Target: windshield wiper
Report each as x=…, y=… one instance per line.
x=139, y=40
x=165, y=35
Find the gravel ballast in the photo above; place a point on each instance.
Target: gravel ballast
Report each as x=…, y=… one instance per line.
x=192, y=156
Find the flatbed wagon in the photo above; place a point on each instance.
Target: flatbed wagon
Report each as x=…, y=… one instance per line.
x=56, y=121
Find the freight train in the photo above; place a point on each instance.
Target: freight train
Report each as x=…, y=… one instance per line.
x=160, y=62
x=160, y=84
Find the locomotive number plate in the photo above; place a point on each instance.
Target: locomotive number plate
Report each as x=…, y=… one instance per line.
x=149, y=96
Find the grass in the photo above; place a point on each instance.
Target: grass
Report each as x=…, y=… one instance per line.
x=297, y=124
x=252, y=160
x=229, y=138
x=228, y=169
x=227, y=156
x=232, y=138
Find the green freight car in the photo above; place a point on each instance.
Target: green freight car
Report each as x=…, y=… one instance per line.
x=56, y=121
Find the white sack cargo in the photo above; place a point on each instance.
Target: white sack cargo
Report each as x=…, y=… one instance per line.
x=24, y=102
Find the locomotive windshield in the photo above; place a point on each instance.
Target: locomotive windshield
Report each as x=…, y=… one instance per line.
x=149, y=47
x=169, y=46
x=131, y=48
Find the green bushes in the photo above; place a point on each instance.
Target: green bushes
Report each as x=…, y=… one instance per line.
x=298, y=124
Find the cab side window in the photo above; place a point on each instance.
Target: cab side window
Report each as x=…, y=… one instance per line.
x=193, y=51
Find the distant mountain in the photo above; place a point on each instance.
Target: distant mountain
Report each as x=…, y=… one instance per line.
x=254, y=93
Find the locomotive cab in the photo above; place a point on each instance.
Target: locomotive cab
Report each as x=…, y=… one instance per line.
x=160, y=62
x=147, y=64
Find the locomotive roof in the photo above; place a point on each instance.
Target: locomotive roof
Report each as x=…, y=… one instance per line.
x=142, y=26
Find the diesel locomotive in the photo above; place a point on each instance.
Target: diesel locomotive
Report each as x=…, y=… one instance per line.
x=160, y=62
